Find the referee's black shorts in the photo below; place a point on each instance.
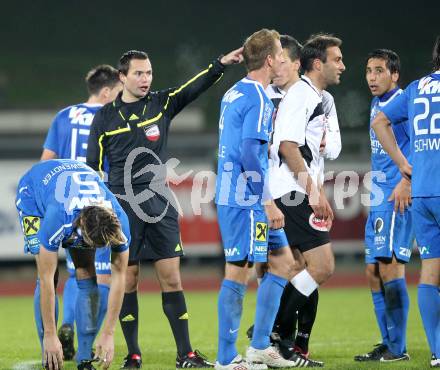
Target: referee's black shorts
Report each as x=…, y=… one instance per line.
x=302, y=229
x=155, y=240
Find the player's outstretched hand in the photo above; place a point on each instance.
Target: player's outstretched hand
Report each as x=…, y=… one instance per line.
x=53, y=352
x=233, y=57
x=401, y=195
x=105, y=350
x=274, y=216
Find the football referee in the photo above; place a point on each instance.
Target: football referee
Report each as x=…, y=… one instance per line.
x=131, y=134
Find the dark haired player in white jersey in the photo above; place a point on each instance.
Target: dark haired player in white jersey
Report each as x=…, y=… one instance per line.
x=419, y=103
x=388, y=232
x=298, y=141
x=67, y=139
x=287, y=322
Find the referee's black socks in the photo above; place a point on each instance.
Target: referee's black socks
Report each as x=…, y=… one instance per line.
x=174, y=307
x=128, y=317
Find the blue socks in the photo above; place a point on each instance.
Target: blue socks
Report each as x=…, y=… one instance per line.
x=429, y=307
x=37, y=313
x=69, y=300
x=103, y=301
x=230, y=307
x=397, y=306
x=380, y=311
x=86, y=315
x=268, y=301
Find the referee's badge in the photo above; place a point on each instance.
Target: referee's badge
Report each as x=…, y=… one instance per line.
x=317, y=223
x=152, y=133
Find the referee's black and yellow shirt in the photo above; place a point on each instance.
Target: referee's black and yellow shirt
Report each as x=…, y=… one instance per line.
x=133, y=136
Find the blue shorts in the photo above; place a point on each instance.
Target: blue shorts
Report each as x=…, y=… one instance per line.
x=426, y=215
x=388, y=232
x=277, y=239
x=102, y=261
x=245, y=234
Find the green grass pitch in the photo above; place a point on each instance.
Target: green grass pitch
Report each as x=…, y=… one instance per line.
x=345, y=326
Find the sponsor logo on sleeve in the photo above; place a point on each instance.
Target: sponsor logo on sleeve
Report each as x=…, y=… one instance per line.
x=31, y=225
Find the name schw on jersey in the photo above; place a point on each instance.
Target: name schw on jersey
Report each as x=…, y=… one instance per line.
x=427, y=118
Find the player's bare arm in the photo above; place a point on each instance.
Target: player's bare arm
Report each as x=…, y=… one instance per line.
x=382, y=127
x=294, y=160
x=48, y=154
x=53, y=352
x=105, y=342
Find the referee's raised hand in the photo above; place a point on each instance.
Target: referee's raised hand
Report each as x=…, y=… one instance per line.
x=233, y=57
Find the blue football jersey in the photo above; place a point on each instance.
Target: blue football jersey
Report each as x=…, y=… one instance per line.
x=69, y=132
x=245, y=113
x=420, y=105
x=386, y=174
x=51, y=195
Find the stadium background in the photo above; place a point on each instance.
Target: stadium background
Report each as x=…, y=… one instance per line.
x=47, y=47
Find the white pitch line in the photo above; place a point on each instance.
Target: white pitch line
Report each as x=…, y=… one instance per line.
x=27, y=365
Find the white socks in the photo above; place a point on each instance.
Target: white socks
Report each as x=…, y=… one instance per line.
x=304, y=283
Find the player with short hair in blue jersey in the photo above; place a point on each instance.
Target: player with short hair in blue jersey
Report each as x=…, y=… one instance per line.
x=246, y=213
x=63, y=203
x=389, y=232
x=419, y=103
x=67, y=139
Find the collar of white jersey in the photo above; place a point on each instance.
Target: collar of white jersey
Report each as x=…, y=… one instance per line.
x=309, y=82
x=248, y=80
x=276, y=89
